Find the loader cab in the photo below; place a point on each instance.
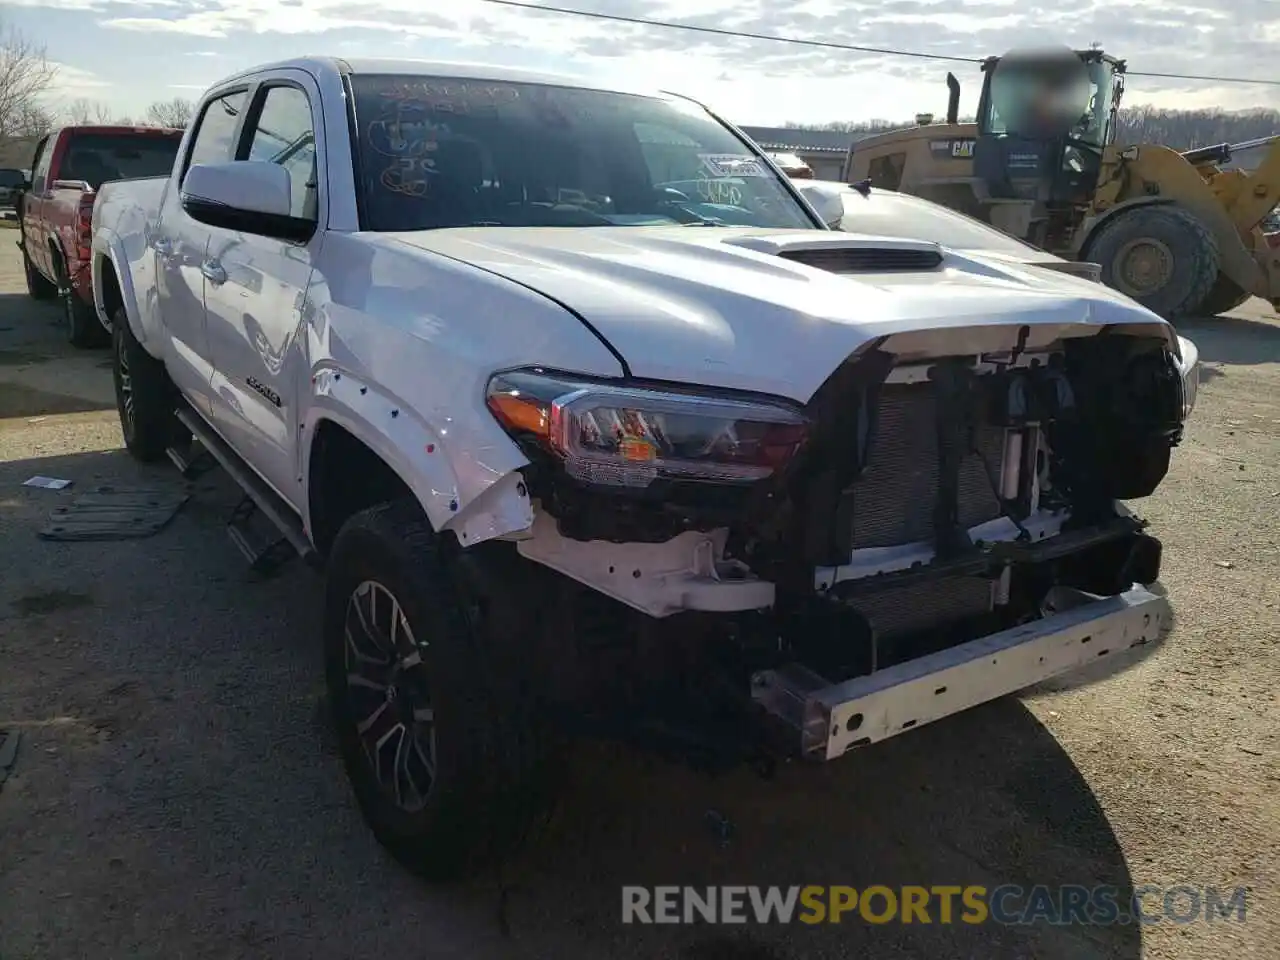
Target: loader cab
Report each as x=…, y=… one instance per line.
x=1057, y=165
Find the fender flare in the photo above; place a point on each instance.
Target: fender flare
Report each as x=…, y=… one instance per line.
x=58, y=254
x=416, y=453
x=107, y=246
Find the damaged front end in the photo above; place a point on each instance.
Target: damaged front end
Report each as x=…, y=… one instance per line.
x=926, y=533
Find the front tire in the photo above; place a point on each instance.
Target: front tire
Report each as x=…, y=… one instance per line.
x=145, y=399
x=1162, y=256
x=451, y=766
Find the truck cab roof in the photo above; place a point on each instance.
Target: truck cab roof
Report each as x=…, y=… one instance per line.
x=471, y=70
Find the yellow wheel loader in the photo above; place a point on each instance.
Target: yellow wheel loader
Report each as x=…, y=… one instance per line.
x=1174, y=230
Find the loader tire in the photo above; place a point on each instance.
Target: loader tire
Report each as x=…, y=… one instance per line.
x=1225, y=296
x=451, y=764
x=1161, y=256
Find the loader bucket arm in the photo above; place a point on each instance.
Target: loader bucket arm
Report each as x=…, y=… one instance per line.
x=1156, y=174
x=1219, y=153
x=1252, y=194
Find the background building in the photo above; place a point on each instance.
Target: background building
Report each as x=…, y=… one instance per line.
x=823, y=150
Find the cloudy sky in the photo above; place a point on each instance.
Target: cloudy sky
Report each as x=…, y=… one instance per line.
x=132, y=52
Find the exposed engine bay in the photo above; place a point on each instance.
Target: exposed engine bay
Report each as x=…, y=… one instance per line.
x=910, y=508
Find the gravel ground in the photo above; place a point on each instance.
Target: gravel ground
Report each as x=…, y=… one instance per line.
x=176, y=795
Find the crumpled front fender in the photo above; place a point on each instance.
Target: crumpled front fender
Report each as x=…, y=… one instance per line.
x=424, y=459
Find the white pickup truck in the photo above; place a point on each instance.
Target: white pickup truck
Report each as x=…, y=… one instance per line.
x=596, y=426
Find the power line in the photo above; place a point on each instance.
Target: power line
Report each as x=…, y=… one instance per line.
x=1207, y=79
x=737, y=34
x=828, y=44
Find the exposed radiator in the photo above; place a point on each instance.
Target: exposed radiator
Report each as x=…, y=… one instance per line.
x=894, y=500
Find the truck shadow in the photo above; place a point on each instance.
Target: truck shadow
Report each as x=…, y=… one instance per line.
x=987, y=798
x=1234, y=340
x=239, y=821
x=40, y=373
x=26, y=321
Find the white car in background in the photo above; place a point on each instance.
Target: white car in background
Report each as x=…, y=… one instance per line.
x=886, y=213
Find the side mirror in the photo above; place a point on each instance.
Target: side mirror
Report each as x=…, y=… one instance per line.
x=248, y=196
x=826, y=200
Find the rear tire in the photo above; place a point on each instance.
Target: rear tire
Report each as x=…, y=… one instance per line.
x=37, y=286
x=1161, y=256
x=1225, y=296
x=84, y=329
x=145, y=398
x=466, y=787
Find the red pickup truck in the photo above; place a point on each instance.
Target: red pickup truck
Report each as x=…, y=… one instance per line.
x=56, y=212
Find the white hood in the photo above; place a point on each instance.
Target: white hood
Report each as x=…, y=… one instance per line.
x=719, y=307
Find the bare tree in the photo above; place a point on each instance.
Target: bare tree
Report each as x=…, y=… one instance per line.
x=171, y=113
x=1180, y=129
x=32, y=120
x=84, y=110
x=25, y=75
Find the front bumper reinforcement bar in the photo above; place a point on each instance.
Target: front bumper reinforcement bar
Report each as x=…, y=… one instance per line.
x=1078, y=628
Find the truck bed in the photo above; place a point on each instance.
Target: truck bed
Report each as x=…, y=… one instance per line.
x=124, y=212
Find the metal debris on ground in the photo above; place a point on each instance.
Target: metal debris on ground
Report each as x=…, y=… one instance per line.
x=8, y=752
x=115, y=513
x=1225, y=564
x=47, y=483
x=721, y=826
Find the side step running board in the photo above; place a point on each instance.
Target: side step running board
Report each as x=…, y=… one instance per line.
x=259, y=499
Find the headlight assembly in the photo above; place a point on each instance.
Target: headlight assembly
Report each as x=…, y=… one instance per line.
x=1189, y=367
x=620, y=436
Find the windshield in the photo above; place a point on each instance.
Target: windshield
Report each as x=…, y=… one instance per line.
x=99, y=157
x=440, y=152
x=1093, y=127
x=1093, y=124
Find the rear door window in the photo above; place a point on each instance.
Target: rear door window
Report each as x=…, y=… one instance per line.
x=98, y=158
x=40, y=173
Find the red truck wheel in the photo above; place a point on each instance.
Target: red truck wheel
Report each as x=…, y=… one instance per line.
x=80, y=320
x=82, y=324
x=37, y=286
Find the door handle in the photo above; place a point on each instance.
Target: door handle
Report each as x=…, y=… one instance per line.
x=213, y=272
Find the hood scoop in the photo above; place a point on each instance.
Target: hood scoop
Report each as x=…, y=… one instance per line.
x=839, y=252
x=867, y=260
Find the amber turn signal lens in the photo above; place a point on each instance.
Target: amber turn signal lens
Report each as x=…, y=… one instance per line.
x=518, y=412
